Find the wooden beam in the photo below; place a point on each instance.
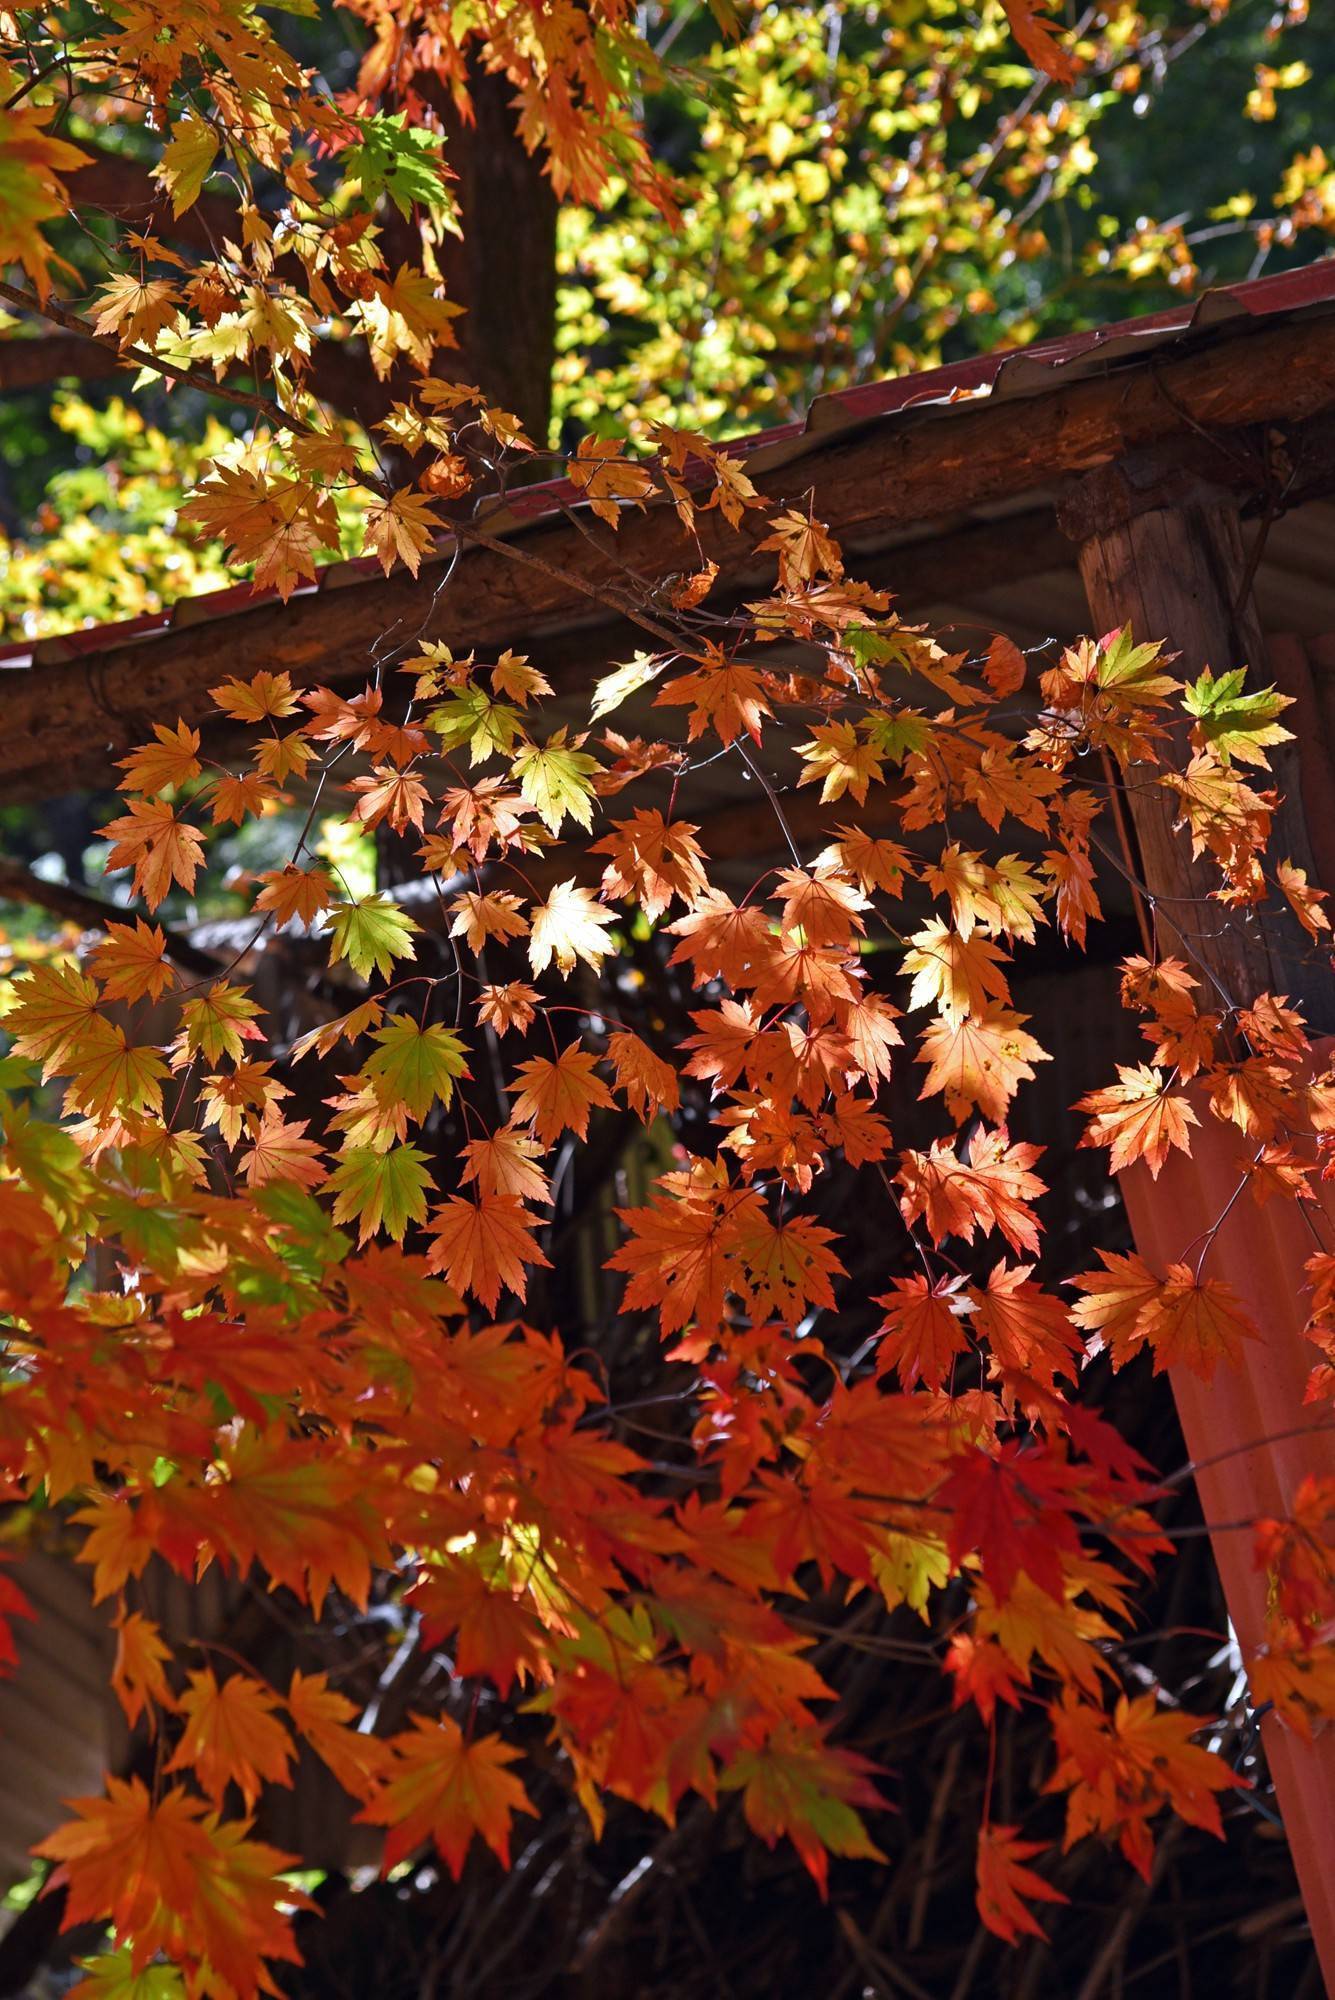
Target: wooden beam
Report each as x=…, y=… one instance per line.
x=67, y=720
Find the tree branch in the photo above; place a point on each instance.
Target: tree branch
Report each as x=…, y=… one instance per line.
x=20, y=885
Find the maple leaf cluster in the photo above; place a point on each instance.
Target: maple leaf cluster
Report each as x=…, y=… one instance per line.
x=260, y=1389
x=264, y=1298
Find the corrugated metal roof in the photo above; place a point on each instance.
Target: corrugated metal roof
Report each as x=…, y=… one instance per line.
x=1010, y=373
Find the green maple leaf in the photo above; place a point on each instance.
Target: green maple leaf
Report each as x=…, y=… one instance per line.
x=382, y=1190
x=469, y=715
x=414, y=1066
x=554, y=778
x=1234, y=724
x=370, y=932
x=1132, y=672
x=113, y=1976
x=402, y=163
x=897, y=736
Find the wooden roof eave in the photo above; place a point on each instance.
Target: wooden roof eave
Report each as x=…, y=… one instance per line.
x=557, y=587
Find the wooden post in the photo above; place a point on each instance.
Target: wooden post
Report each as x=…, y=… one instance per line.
x=1164, y=554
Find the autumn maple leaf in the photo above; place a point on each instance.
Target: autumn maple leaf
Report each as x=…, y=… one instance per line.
x=136, y=309
x=723, y=695
x=139, y=1674
x=839, y=760
x=306, y=1521
x=680, y=1249
x=1122, y=1769
x=482, y=1246
x=648, y=1083
x=444, y=1787
x=400, y=529
x=557, y=1096
x=1004, y=1882
x=280, y=1151
x=325, y=1719
x=990, y=1188
x=1043, y=49
x=494, y=1626
x=1138, y=1118
x=958, y=974
x=278, y=524
x=652, y=860
x=506, y=1163
x=54, y=1015
x=158, y=844
x=978, y=1062
x=171, y=760
x=570, y=925
x=1196, y=1321
x=789, y=1265
x=478, y=917
x=415, y=1066
x=133, y=963
x=168, y=1875
x=1114, y=1300
x=923, y=1330
x=1028, y=1331
x=232, y=1736
x=556, y=778
x=809, y=1791
x=1304, y=899
x=720, y=939
x=1010, y=1506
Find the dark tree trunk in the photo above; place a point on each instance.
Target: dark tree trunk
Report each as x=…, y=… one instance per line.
x=503, y=273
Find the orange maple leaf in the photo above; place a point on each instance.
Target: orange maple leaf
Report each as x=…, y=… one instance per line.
x=652, y=860
x=979, y=1062
x=1004, y=1882
x=295, y=892
x=923, y=1330
x=1114, y=1300
x=808, y=1790
x=133, y=964
x=647, y=1082
x=324, y=1717
x=1196, y=1321
x=506, y=1163
x=401, y=529
x=482, y=1246
x=138, y=1676
x=723, y=695
x=1028, y=1330
x=446, y=1788
x=172, y=760
x=170, y=1877
x=1138, y=1118
x=558, y=1096
x=161, y=847
x=232, y=1736
x=990, y=1188
x=1122, y=1769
